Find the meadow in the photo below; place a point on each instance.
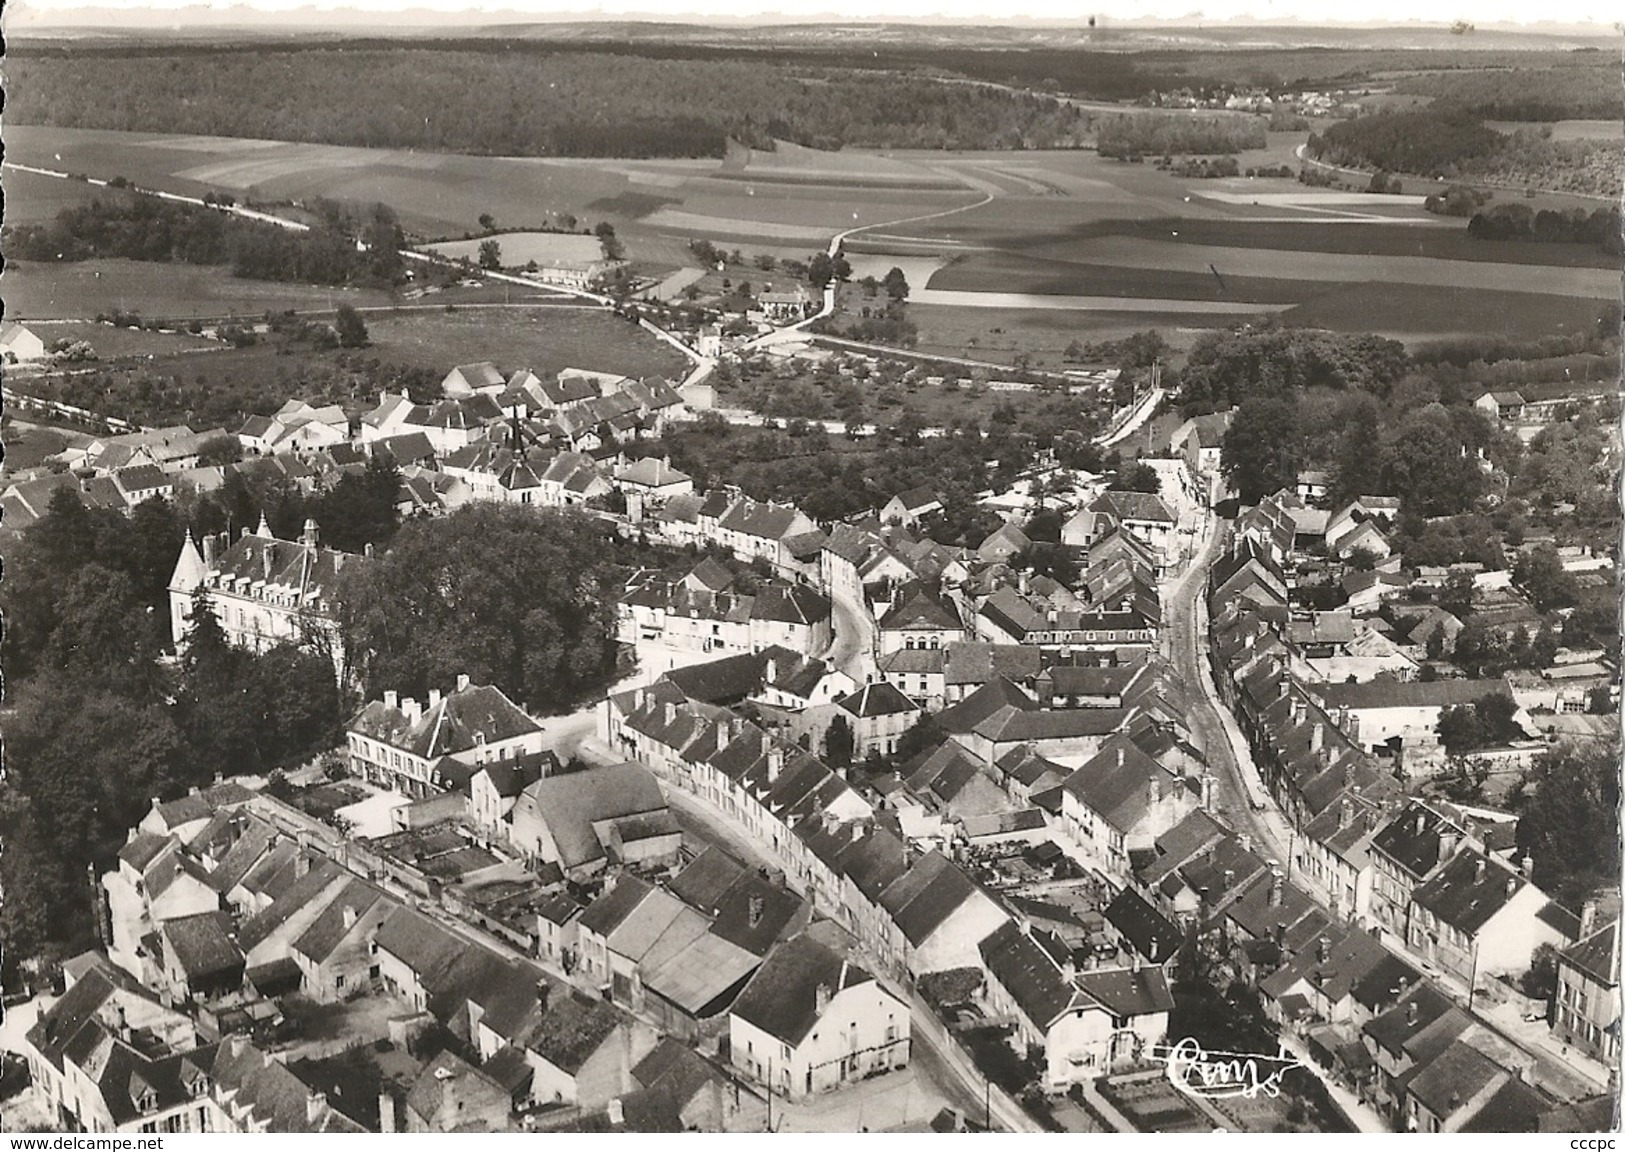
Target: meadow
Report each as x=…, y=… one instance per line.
x=544, y=340
x=157, y=291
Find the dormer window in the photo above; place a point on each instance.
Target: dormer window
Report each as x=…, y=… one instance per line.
x=147, y=1101
x=200, y=1086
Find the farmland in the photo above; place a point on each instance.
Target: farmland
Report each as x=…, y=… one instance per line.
x=543, y=340
x=179, y=291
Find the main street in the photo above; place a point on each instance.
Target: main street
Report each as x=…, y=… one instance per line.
x=1239, y=797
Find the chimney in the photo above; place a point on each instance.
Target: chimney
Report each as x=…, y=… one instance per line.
x=208, y=550
x=1277, y=889
x=311, y=536
x=413, y=710
x=1478, y=870
x=1206, y=792
x=121, y=1023
x=1323, y=951
x=1119, y=755
x=462, y=682
x=772, y=671
x=1512, y=884
x=349, y=916
x=1155, y=790
x=1588, y=918
x=615, y=1113
x=821, y=999
x=1421, y=822
x=386, y=1112
x=1246, y=841
x=775, y=764
x=392, y=700
x=301, y=863
x=723, y=732
x=1447, y=843
x=1229, y=879
x=315, y=1103
x=1410, y=1012
x=757, y=904
x=670, y=712
x=434, y=698
x=1317, y=737
x=366, y=550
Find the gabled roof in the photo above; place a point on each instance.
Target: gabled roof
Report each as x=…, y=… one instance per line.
x=1469, y=891
x=203, y=944
x=573, y=803
x=1452, y=1078
x=1147, y=931
x=923, y=898
x=877, y=699
x=1026, y=964
x=1597, y=955
x=458, y=723
x=782, y=997
x=1133, y=506
x=1116, y=783
x=1129, y=992
x=917, y=609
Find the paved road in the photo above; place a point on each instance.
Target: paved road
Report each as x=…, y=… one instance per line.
x=853, y=648
x=1237, y=796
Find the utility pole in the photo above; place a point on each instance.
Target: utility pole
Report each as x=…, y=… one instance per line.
x=770, y=1093
x=987, y=1105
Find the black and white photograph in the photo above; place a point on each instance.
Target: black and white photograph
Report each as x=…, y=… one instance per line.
x=896, y=568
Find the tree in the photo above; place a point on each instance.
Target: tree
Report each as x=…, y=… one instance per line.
x=1539, y=572
x=1460, y=729
x=488, y=222
x=509, y=596
x=1357, y=461
x=896, y=285
x=840, y=268
x=840, y=742
x=1570, y=823
x=352, y=330
x=217, y=450
x=1139, y=477
x=820, y=270
x=490, y=255
x=1456, y=597
x=1260, y=451
x=613, y=248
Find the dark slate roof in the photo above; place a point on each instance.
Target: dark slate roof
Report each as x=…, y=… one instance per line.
x=1393, y=1029
x=201, y=805
x=1125, y=992
x=984, y=703
x=924, y=897
x=727, y=680
x=421, y=944
x=143, y=849
x=1598, y=955
x=1469, y=891
x=1133, y=506
x=610, y=910
x=918, y=609
x=1148, y=932
x=1514, y=1107
x=1410, y=694
x=573, y=803
x=203, y=943
x=449, y=727
x=1116, y=783
x=1457, y=1074
x=790, y=604
x=781, y=999
x=675, y=1070
x=300, y=894
x=1031, y=972
x=328, y=930
x=1415, y=848
x=878, y=699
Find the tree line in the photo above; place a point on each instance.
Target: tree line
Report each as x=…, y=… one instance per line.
x=1161, y=134
x=1599, y=227
x=551, y=104
x=137, y=226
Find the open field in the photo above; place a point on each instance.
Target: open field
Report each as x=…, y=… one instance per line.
x=35, y=199
x=543, y=340
x=111, y=343
x=81, y=291
x=523, y=247
x=1108, y=247
x=1567, y=129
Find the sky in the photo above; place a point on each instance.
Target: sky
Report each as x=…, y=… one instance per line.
x=35, y=13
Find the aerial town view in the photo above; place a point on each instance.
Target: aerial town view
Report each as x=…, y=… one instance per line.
x=601, y=577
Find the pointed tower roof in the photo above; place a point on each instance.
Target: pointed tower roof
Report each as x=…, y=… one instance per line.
x=189, y=567
x=264, y=529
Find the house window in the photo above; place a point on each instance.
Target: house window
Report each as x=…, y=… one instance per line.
x=338, y=981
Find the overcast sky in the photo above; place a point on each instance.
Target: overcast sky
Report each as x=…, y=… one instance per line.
x=22, y=13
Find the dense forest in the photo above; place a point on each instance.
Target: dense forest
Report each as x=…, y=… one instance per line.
x=1527, y=94
x=1450, y=143
x=501, y=103
x=1576, y=226
x=1162, y=134
x=136, y=226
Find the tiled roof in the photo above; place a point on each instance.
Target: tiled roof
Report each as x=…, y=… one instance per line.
x=1598, y=955
x=1129, y=992
x=781, y=999
x=452, y=726
x=1469, y=891
x=203, y=943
